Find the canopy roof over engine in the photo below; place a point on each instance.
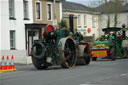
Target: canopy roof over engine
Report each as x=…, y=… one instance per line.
x=112, y=29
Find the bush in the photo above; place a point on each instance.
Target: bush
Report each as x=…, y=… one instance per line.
x=63, y=24
x=102, y=38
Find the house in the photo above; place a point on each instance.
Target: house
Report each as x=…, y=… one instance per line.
x=84, y=18
x=43, y=15
x=122, y=17
x=14, y=14
x=22, y=22
x=95, y=18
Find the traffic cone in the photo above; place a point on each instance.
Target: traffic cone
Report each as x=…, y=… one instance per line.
x=3, y=68
x=12, y=68
x=7, y=68
x=0, y=70
x=3, y=64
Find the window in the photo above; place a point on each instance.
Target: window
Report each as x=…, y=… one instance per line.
x=127, y=21
x=49, y=11
x=12, y=39
x=79, y=21
x=11, y=9
x=93, y=21
x=84, y=20
x=38, y=10
x=26, y=17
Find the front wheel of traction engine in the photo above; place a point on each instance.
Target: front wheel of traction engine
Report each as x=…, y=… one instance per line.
x=113, y=54
x=124, y=53
x=68, y=56
x=38, y=56
x=38, y=64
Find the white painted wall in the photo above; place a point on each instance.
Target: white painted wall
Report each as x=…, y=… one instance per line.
x=5, y=26
x=60, y=11
x=18, y=25
x=88, y=23
x=122, y=19
x=0, y=31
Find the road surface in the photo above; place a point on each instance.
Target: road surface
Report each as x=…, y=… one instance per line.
x=101, y=72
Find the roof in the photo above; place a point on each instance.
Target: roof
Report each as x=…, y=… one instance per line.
x=76, y=7
x=110, y=29
x=67, y=16
x=126, y=7
x=104, y=8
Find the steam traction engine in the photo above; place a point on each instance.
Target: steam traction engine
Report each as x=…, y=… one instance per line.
x=57, y=48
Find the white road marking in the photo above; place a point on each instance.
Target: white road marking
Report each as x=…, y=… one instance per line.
x=124, y=74
x=90, y=84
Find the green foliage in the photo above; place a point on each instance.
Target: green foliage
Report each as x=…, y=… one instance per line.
x=75, y=30
x=102, y=38
x=63, y=24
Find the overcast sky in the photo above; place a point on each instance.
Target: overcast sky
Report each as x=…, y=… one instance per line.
x=92, y=3
x=86, y=2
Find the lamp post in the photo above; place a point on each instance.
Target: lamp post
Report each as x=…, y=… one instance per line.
x=54, y=8
x=54, y=20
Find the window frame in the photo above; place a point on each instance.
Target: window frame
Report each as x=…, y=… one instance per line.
x=93, y=21
x=49, y=3
x=40, y=10
x=13, y=40
x=85, y=21
x=12, y=9
x=79, y=21
x=127, y=21
x=26, y=9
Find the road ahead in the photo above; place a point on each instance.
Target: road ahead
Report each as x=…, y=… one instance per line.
x=101, y=72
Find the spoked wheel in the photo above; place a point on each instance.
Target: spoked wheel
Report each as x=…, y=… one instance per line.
x=38, y=56
x=68, y=56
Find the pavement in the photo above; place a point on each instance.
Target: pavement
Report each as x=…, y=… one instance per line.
x=101, y=72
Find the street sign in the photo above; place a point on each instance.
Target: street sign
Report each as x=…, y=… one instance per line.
x=55, y=22
x=81, y=30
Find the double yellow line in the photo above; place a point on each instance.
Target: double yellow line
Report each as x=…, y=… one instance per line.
x=4, y=71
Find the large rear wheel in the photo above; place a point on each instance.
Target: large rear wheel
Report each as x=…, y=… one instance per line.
x=68, y=56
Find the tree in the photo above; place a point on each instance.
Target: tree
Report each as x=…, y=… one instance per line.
x=63, y=24
x=108, y=12
x=116, y=11
x=111, y=7
x=95, y=3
